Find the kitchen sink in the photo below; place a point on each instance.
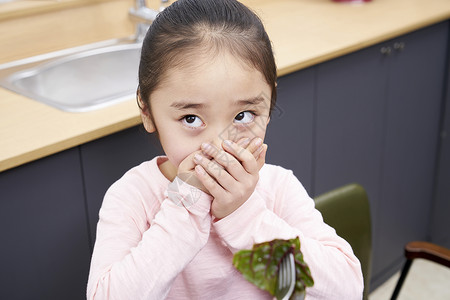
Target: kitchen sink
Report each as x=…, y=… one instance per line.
x=78, y=79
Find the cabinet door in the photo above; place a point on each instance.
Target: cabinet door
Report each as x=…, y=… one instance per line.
x=440, y=222
x=415, y=92
x=351, y=101
x=44, y=247
x=290, y=131
x=105, y=160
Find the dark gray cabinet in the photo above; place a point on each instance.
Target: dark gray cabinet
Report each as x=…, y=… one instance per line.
x=105, y=160
x=290, y=131
x=440, y=221
x=44, y=249
x=350, y=130
x=377, y=124
x=414, y=97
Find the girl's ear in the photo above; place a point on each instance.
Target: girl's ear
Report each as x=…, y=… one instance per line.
x=148, y=123
x=146, y=117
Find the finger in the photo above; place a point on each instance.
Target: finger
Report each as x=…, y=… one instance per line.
x=207, y=156
x=187, y=164
x=251, y=145
x=261, y=159
x=221, y=161
x=259, y=152
x=243, y=155
x=255, y=146
x=207, y=163
x=244, y=142
x=213, y=153
x=209, y=182
x=229, y=164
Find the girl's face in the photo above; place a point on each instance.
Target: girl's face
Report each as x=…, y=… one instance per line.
x=209, y=101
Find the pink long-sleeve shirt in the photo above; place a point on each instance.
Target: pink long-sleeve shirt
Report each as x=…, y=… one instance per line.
x=150, y=246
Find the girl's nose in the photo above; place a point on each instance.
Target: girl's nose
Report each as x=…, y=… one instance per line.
x=228, y=133
x=218, y=140
x=224, y=132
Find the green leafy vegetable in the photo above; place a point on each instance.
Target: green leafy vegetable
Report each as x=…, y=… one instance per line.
x=260, y=265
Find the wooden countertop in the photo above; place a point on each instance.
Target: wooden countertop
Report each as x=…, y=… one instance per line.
x=304, y=33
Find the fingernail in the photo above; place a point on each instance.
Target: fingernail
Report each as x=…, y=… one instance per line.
x=198, y=157
x=259, y=150
x=206, y=146
x=260, y=154
x=228, y=143
x=258, y=142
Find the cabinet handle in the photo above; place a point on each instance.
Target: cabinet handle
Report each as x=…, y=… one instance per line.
x=386, y=50
x=399, y=46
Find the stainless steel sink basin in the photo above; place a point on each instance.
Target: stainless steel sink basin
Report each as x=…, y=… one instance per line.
x=78, y=79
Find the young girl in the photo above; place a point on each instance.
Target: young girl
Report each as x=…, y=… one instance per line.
x=170, y=226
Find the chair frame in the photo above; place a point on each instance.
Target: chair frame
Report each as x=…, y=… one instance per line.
x=424, y=250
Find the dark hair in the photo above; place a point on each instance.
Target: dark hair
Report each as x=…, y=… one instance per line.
x=192, y=27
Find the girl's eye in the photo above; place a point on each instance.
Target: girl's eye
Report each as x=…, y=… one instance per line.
x=244, y=117
x=192, y=121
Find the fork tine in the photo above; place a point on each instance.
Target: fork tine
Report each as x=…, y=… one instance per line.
x=286, y=271
x=281, y=275
x=290, y=275
x=286, y=277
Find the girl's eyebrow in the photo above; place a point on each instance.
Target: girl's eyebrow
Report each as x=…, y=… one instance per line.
x=183, y=105
x=187, y=105
x=251, y=101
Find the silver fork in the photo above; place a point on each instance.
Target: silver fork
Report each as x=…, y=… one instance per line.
x=286, y=278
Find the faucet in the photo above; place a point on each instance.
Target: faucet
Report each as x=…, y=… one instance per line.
x=143, y=17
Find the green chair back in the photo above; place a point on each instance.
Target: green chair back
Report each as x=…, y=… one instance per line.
x=347, y=210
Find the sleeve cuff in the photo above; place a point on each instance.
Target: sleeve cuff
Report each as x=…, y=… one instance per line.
x=237, y=229
x=188, y=196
